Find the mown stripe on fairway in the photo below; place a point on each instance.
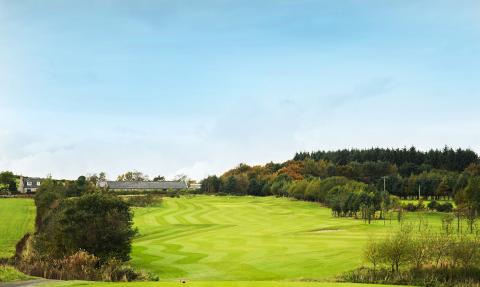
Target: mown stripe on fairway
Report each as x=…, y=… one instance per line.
x=213, y=284
x=249, y=238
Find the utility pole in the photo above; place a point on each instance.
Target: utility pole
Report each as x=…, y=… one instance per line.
x=384, y=183
x=419, y=188
x=384, y=208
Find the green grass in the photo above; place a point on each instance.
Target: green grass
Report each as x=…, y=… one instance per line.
x=213, y=284
x=232, y=241
x=207, y=238
x=16, y=218
x=8, y=274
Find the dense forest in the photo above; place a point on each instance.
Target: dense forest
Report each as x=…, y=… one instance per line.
x=405, y=159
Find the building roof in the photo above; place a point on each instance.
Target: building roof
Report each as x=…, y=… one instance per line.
x=33, y=180
x=147, y=185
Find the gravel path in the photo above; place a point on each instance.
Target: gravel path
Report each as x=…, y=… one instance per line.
x=28, y=283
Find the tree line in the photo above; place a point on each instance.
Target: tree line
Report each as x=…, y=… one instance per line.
x=8, y=182
x=446, y=158
x=410, y=180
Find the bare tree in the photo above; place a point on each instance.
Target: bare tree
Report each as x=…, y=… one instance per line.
x=372, y=253
x=397, y=248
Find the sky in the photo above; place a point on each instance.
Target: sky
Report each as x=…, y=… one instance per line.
x=197, y=87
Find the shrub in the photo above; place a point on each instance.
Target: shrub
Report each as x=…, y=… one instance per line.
x=425, y=258
x=446, y=207
x=431, y=277
x=432, y=205
x=420, y=205
x=173, y=193
x=143, y=200
x=116, y=270
x=100, y=224
x=78, y=266
x=81, y=266
x=410, y=207
x=372, y=253
x=397, y=248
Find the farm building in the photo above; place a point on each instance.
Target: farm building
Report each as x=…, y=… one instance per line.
x=29, y=184
x=144, y=185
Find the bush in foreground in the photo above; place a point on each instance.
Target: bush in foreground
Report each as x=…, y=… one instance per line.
x=431, y=277
x=421, y=257
x=100, y=224
x=82, y=266
x=81, y=234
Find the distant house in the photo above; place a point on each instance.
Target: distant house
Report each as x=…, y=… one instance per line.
x=143, y=185
x=29, y=184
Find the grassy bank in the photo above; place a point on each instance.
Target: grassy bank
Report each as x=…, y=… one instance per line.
x=16, y=218
x=8, y=274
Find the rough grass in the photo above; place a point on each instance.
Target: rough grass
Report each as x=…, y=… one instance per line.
x=8, y=274
x=16, y=218
x=208, y=238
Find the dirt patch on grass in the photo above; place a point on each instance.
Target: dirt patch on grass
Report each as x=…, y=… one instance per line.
x=325, y=230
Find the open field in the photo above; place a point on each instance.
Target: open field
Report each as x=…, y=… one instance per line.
x=16, y=218
x=233, y=241
x=250, y=239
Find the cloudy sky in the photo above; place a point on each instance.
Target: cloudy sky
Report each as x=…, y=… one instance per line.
x=196, y=87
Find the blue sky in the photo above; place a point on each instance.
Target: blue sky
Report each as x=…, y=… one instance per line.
x=196, y=87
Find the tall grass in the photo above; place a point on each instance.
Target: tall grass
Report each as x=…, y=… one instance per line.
x=81, y=266
x=427, y=276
